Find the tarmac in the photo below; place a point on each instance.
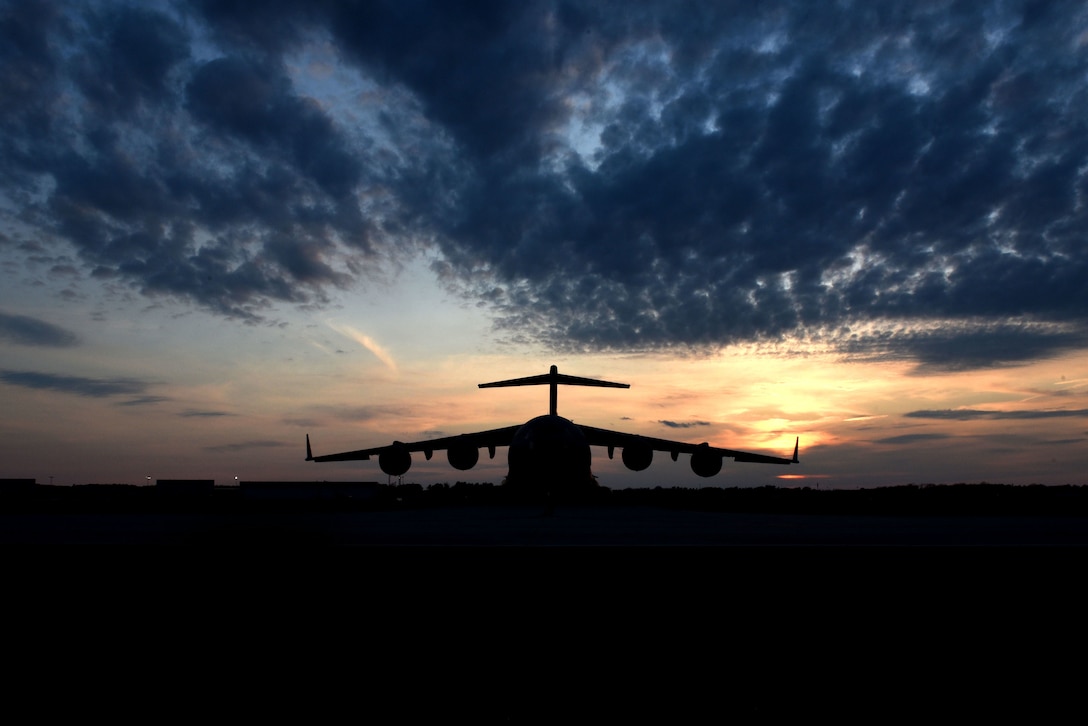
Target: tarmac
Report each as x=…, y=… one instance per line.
x=538, y=527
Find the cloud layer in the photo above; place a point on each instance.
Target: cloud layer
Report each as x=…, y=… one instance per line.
x=972, y=414
x=26, y=330
x=902, y=179
x=80, y=385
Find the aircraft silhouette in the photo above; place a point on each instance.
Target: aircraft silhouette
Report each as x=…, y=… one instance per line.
x=551, y=451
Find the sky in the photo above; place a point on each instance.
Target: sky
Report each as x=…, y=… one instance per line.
x=225, y=226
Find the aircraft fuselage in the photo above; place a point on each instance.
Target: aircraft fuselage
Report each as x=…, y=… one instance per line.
x=550, y=451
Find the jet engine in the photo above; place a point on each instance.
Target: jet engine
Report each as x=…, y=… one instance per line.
x=395, y=460
x=637, y=457
x=705, y=463
x=463, y=457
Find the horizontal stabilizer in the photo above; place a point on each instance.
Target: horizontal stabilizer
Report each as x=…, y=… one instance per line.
x=554, y=377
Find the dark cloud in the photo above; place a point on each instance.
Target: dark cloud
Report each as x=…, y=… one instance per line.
x=127, y=59
x=212, y=181
x=963, y=346
x=144, y=401
x=972, y=414
x=193, y=413
x=28, y=68
x=25, y=330
x=912, y=439
x=361, y=413
x=90, y=387
x=256, y=105
x=684, y=424
x=244, y=446
x=601, y=177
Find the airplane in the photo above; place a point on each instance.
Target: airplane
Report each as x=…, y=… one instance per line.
x=551, y=451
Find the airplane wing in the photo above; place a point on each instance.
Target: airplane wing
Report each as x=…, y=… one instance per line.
x=638, y=451
x=480, y=440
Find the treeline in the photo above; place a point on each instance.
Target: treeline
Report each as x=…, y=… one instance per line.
x=911, y=499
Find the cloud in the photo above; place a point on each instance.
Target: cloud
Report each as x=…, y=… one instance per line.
x=683, y=425
x=972, y=414
x=599, y=180
x=25, y=330
x=244, y=446
x=367, y=342
x=964, y=345
x=90, y=387
x=361, y=413
x=907, y=439
x=858, y=419
x=144, y=401
x=303, y=422
x=192, y=413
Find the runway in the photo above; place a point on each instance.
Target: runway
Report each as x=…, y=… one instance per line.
x=536, y=526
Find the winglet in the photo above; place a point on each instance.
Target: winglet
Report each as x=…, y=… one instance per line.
x=310, y=454
x=796, y=444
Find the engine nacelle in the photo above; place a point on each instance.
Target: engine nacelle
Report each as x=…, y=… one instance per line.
x=463, y=457
x=395, y=460
x=637, y=457
x=706, y=463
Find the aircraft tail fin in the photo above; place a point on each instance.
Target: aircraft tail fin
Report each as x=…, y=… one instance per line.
x=796, y=444
x=309, y=454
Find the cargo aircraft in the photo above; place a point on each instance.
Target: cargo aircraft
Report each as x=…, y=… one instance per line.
x=551, y=451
